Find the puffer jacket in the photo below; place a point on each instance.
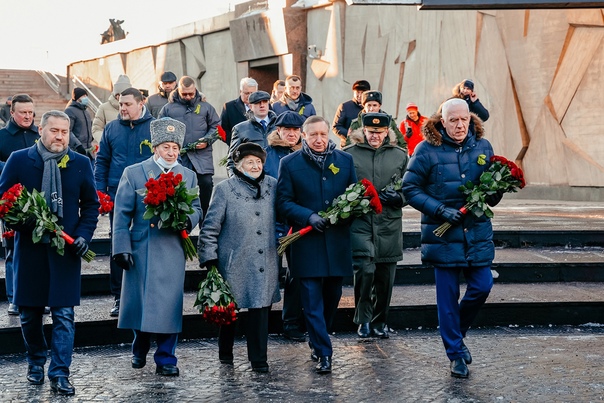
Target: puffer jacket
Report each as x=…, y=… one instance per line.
x=201, y=120
x=379, y=236
x=106, y=113
x=305, y=106
x=436, y=170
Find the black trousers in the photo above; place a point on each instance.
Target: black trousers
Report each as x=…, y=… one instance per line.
x=256, y=334
x=206, y=184
x=115, y=272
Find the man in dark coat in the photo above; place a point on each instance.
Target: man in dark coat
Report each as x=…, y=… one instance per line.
x=187, y=106
x=465, y=91
x=256, y=129
x=19, y=133
x=293, y=99
x=349, y=110
x=309, y=180
x=452, y=154
x=167, y=84
x=377, y=239
x=5, y=112
x=42, y=276
x=81, y=121
x=125, y=141
x=235, y=111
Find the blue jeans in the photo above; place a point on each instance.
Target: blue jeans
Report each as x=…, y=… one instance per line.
x=63, y=331
x=454, y=317
x=10, y=285
x=166, y=347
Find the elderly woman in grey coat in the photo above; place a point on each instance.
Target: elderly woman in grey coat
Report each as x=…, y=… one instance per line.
x=153, y=257
x=238, y=238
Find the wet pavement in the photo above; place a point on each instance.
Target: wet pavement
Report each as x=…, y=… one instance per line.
x=558, y=364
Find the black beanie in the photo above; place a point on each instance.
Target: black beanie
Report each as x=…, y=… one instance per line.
x=78, y=93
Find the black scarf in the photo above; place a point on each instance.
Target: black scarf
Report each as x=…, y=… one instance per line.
x=253, y=183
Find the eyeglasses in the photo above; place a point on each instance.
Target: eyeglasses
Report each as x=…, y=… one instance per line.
x=187, y=94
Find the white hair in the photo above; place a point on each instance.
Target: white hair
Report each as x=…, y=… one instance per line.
x=249, y=81
x=448, y=104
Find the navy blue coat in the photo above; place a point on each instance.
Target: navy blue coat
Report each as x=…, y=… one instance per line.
x=346, y=113
x=42, y=276
x=233, y=112
x=13, y=138
x=305, y=106
x=302, y=189
x=123, y=143
x=436, y=170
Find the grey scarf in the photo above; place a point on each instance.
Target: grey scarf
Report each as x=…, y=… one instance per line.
x=51, y=178
x=319, y=158
x=292, y=103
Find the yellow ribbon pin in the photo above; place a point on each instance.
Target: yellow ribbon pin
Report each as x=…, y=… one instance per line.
x=482, y=159
x=145, y=143
x=64, y=161
x=333, y=169
x=198, y=109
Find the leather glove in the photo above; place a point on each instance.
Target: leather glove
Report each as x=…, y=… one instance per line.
x=494, y=199
x=317, y=222
x=28, y=226
x=80, y=246
x=186, y=225
x=391, y=197
x=209, y=264
x=123, y=260
x=409, y=133
x=450, y=215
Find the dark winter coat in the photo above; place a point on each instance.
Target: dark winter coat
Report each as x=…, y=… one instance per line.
x=436, y=170
x=305, y=106
x=157, y=101
x=233, y=112
x=42, y=276
x=304, y=188
x=80, y=123
x=201, y=120
x=379, y=236
x=123, y=143
x=357, y=126
x=249, y=131
x=13, y=138
x=346, y=113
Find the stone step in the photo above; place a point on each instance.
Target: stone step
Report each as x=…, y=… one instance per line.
x=411, y=307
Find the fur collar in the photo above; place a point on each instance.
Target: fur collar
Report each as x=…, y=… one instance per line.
x=274, y=140
x=431, y=129
x=358, y=137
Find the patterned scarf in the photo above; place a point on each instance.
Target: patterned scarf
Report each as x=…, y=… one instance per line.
x=51, y=178
x=319, y=158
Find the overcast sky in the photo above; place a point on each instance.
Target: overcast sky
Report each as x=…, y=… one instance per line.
x=48, y=35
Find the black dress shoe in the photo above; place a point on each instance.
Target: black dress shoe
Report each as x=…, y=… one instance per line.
x=35, y=374
x=115, y=311
x=62, y=386
x=313, y=353
x=167, y=370
x=459, y=368
x=466, y=354
x=138, y=362
x=364, y=330
x=294, y=334
x=261, y=367
x=324, y=365
x=381, y=332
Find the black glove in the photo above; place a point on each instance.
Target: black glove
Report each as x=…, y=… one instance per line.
x=409, y=133
x=80, y=246
x=391, y=197
x=28, y=226
x=494, y=199
x=209, y=264
x=186, y=225
x=317, y=222
x=123, y=260
x=450, y=215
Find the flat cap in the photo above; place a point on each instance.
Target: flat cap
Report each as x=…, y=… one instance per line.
x=167, y=130
x=371, y=96
x=258, y=96
x=376, y=120
x=290, y=119
x=168, y=77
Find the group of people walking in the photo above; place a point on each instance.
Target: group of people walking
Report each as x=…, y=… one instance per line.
x=284, y=170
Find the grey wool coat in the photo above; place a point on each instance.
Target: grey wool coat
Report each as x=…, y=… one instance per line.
x=239, y=231
x=152, y=290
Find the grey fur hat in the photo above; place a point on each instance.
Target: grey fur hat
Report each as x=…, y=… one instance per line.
x=167, y=129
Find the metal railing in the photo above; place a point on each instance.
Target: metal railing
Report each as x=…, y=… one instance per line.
x=52, y=80
x=95, y=102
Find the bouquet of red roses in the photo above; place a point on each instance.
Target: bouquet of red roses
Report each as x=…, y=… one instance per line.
x=502, y=176
x=169, y=199
x=106, y=203
x=219, y=133
x=215, y=299
x=17, y=206
x=359, y=199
